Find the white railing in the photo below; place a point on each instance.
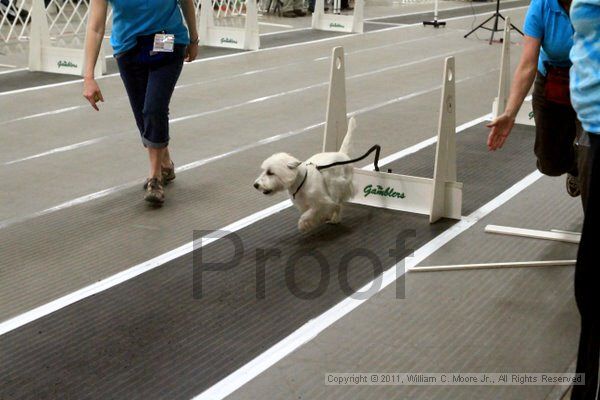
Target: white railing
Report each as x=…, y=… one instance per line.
x=14, y=19
x=67, y=18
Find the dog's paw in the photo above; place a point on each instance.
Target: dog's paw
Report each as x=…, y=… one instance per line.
x=305, y=225
x=334, y=220
x=336, y=217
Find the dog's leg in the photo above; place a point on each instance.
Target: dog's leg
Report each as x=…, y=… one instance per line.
x=336, y=216
x=308, y=220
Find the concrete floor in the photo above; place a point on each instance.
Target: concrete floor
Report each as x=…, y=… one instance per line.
x=71, y=209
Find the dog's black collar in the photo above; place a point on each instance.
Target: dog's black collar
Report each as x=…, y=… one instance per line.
x=301, y=184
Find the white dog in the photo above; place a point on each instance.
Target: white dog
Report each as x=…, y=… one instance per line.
x=318, y=194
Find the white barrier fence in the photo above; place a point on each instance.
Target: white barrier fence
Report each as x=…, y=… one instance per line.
x=232, y=34
x=58, y=38
x=438, y=197
x=56, y=35
x=335, y=21
x=44, y=56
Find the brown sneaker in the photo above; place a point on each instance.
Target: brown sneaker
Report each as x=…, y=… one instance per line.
x=155, y=193
x=288, y=14
x=300, y=13
x=573, y=186
x=168, y=175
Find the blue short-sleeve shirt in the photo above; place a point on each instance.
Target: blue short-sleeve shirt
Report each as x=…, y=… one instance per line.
x=548, y=21
x=585, y=73
x=133, y=18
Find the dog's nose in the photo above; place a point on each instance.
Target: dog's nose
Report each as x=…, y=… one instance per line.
x=255, y=185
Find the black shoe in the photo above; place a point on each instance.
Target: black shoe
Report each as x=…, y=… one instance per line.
x=300, y=13
x=347, y=8
x=573, y=186
x=288, y=14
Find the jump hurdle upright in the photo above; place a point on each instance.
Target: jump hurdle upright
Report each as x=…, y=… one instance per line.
x=335, y=21
x=243, y=38
x=437, y=197
x=525, y=115
x=45, y=57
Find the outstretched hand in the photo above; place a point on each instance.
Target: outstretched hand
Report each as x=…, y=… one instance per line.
x=501, y=127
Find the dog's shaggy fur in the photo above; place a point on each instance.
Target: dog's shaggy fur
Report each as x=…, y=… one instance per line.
x=322, y=193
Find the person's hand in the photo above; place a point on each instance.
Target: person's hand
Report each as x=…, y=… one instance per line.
x=91, y=91
x=191, y=51
x=501, y=128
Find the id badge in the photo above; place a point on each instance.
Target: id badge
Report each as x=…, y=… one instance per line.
x=163, y=43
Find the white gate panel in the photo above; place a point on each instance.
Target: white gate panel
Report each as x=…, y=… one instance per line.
x=404, y=193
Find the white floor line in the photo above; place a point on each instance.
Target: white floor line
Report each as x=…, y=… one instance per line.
x=240, y=54
x=12, y=71
x=59, y=150
x=383, y=23
x=107, y=283
x=76, y=146
x=230, y=77
x=314, y=327
x=308, y=28
x=45, y=114
x=106, y=192
x=277, y=26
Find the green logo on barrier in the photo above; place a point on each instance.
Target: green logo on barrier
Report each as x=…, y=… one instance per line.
x=66, y=64
x=380, y=191
x=228, y=40
x=336, y=25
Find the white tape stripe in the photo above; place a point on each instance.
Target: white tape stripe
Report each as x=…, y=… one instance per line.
x=290, y=27
x=132, y=272
x=59, y=150
x=313, y=328
x=45, y=114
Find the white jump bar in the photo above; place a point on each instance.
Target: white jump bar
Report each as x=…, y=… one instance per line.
x=535, y=234
x=522, y=264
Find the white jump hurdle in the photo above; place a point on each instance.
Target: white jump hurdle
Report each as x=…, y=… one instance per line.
x=45, y=57
x=438, y=197
x=335, y=21
x=525, y=115
x=215, y=35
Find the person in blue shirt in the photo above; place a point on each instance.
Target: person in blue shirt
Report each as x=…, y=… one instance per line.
x=150, y=42
x=545, y=60
x=585, y=94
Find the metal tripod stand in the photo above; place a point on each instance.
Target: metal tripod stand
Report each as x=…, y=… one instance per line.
x=495, y=29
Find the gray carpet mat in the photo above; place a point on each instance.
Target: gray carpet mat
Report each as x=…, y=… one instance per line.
x=149, y=338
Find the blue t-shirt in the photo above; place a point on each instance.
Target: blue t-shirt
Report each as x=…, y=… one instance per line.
x=585, y=73
x=133, y=18
x=548, y=21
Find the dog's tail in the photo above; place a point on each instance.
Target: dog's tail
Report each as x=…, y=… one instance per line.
x=347, y=143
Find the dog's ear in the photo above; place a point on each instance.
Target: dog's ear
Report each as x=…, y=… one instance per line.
x=293, y=164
